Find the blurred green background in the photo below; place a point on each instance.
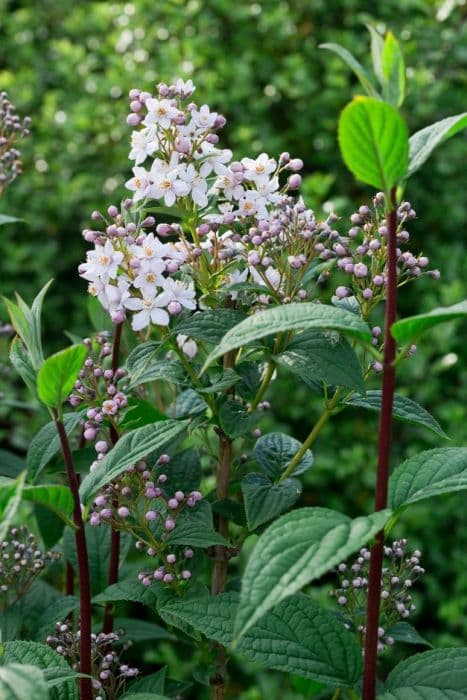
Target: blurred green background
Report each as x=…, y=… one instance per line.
x=69, y=65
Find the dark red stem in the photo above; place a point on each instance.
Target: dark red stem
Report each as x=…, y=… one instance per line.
x=83, y=566
x=384, y=452
x=108, y=621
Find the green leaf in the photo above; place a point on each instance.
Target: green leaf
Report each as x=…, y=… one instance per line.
x=58, y=374
x=146, y=696
x=377, y=44
x=393, y=68
x=433, y=675
x=130, y=449
x=355, y=65
x=265, y=500
x=154, y=683
x=289, y=317
x=21, y=361
x=10, y=498
x=228, y=378
x=129, y=590
x=423, y=142
x=404, y=410
x=323, y=357
x=52, y=613
x=43, y=657
x=5, y=219
x=274, y=451
x=295, y=550
x=139, y=413
x=235, y=420
x=46, y=443
x=188, y=404
x=50, y=526
x=195, y=528
x=374, y=142
x=411, y=328
x=56, y=498
x=10, y=623
x=10, y=464
x=21, y=681
x=297, y=636
x=404, y=632
x=209, y=325
x=98, y=316
x=184, y=472
x=430, y=473
x=140, y=630
x=27, y=324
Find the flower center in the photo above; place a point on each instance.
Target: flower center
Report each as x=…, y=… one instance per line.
x=104, y=260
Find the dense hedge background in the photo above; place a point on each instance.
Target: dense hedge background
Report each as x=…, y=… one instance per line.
x=69, y=65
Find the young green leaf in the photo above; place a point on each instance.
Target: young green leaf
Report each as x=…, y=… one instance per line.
x=432, y=675
x=404, y=410
x=374, y=142
x=264, y=500
x=274, y=451
x=21, y=361
x=46, y=443
x=411, y=328
x=130, y=449
x=377, y=45
x=235, y=420
x=354, y=65
x=423, y=142
x=404, y=632
x=430, y=473
x=289, y=317
x=393, y=68
x=55, y=498
x=19, y=681
x=298, y=636
x=295, y=550
x=10, y=498
x=58, y=374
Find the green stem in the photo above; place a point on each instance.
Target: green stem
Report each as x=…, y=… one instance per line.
x=264, y=385
x=336, y=694
x=322, y=420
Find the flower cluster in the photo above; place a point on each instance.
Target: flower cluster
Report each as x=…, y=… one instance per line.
x=21, y=561
x=110, y=675
x=399, y=573
x=141, y=502
x=12, y=129
x=362, y=254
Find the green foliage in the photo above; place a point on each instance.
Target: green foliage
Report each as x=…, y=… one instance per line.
x=45, y=445
x=374, y=142
x=411, y=328
x=274, y=451
x=195, y=528
x=10, y=498
x=62, y=686
x=295, y=550
x=55, y=498
x=423, y=142
x=58, y=374
x=393, y=71
x=20, y=680
x=265, y=500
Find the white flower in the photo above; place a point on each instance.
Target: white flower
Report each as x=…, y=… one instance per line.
x=140, y=183
x=228, y=183
x=169, y=187
x=249, y=204
x=150, y=310
x=149, y=278
x=216, y=157
x=187, y=345
x=101, y=263
x=177, y=291
x=272, y=275
x=116, y=295
x=197, y=182
x=160, y=112
x=143, y=145
x=236, y=277
x=268, y=189
x=159, y=167
x=184, y=88
x=203, y=118
x=258, y=170
x=150, y=250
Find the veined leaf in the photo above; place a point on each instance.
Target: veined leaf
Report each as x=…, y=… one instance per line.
x=46, y=443
x=374, y=142
x=54, y=497
x=195, y=528
x=19, y=681
x=21, y=361
x=209, y=325
x=274, y=451
x=393, y=68
x=355, y=65
x=264, y=500
x=423, y=142
x=295, y=550
x=130, y=590
x=411, y=328
x=43, y=657
x=58, y=374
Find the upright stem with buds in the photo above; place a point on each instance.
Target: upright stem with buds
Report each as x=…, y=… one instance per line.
x=384, y=451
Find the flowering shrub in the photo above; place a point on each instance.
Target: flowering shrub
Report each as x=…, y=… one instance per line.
x=208, y=281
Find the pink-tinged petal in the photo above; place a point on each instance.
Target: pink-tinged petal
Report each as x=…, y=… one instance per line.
x=140, y=320
x=160, y=317
x=169, y=198
x=181, y=188
x=134, y=304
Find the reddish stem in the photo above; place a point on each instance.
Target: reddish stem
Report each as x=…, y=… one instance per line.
x=384, y=452
x=83, y=566
x=108, y=621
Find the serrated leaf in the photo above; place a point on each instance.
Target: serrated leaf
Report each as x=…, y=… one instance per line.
x=355, y=65
x=183, y=471
x=195, y=528
x=188, y=404
x=274, y=451
x=295, y=550
x=209, y=325
x=265, y=500
x=129, y=590
x=52, y=614
x=323, y=357
x=430, y=473
x=55, y=498
x=130, y=449
x=234, y=419
x=440, y=674
x=142, y=366
x=43, y=657
x=374, y=142
x=393, y=69
x=140, y=630
x=19, y=681
x=289, y=317
x=297, y=636
x=10, y=498
x=46, y=443
x=228, y=379
x=405, y=632
x=423, y=142
x=58, y=374
x=154, y=683
x=404, y=410
x=411, y=328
